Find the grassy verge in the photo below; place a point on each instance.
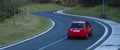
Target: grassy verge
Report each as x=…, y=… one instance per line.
x=111, y=12
x=39, y=7
x=26, y=26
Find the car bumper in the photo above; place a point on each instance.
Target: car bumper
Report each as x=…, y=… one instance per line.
x=77, y=34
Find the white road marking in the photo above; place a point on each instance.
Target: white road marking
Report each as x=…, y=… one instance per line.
x=53, y=24
x=105, y=33
x=52, y=43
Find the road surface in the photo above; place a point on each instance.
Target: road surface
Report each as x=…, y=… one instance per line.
x=56, y=38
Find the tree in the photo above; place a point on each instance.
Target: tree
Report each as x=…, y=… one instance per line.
x=41, y=1
x=9, y=7
x=67, y=2
x=115, y=3
x=88, y=3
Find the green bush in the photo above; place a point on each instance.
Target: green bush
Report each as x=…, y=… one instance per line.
x=1, y=19
x=10, y=7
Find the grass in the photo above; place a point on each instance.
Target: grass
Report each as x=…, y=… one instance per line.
x=27, y=26
x=39, y=7
x=111, y=12
x=24, y=27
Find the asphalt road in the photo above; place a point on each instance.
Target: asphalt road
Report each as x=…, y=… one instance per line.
x=56, y=39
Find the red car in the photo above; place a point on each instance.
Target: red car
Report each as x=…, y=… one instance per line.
x=79, y=29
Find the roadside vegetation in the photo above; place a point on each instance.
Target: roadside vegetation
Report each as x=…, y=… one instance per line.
x=26, y=24
x=113, y=13
x=25, y=27
x=36, y=7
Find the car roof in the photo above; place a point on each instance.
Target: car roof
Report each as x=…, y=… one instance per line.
x=79, y=21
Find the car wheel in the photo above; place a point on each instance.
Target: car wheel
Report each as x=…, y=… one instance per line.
x=86, y=36
x=90, y=34
x=68, y=37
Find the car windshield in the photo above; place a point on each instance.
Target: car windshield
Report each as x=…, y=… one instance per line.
x=77, y=25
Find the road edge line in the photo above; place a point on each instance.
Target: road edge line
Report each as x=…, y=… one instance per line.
x=98, y=41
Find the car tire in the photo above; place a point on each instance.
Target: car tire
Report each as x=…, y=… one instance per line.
x=86, y=36
x=68, y=37
x=90, y=34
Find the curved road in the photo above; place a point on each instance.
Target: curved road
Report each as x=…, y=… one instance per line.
x=56, y=39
